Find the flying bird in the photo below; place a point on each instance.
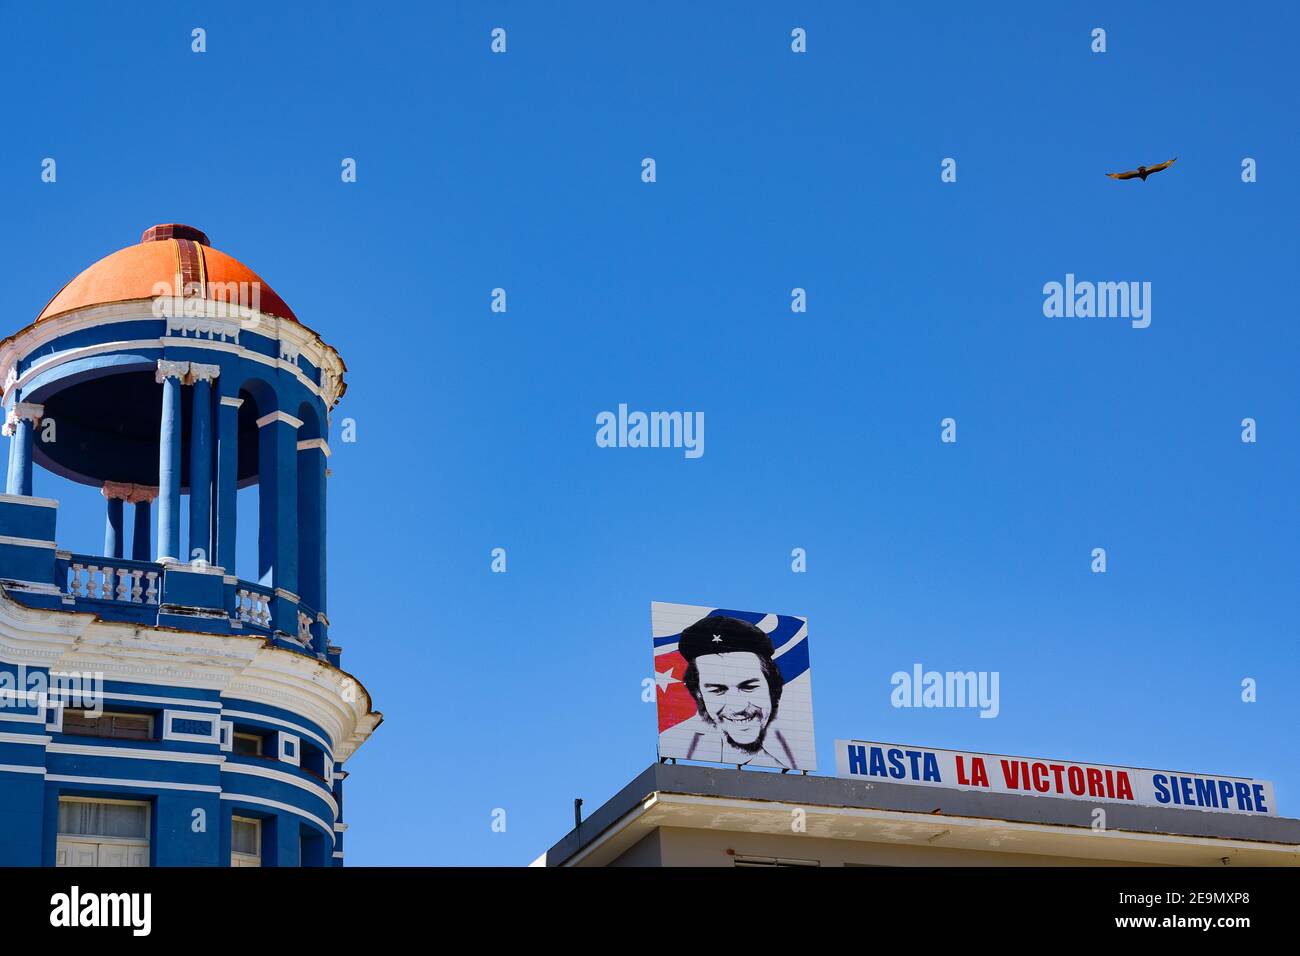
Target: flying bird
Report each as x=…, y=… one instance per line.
x=1142, y=172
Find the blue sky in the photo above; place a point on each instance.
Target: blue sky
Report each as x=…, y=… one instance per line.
x=476, y=430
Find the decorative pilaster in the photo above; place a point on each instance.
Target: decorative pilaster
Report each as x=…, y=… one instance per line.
x=170, y=375
x=20, y=425
x=202, y=377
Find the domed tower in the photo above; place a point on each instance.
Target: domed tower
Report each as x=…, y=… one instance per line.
x=155, y=708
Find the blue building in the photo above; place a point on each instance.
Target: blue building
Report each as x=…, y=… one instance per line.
x=155, y=708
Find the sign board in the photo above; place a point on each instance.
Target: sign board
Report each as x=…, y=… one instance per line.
x=733, y=686
x=1098, y=783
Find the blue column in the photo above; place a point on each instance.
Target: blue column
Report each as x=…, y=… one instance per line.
x=113, y=527
x=201, y=463
x=169, y=461
x=21, y=425
x=140, y=539
x=227, y=480
x=277, y=538
x=313, y=458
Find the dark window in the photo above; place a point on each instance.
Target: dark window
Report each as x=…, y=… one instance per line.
x=312, y=761
x=248, y=744
x=116, y=726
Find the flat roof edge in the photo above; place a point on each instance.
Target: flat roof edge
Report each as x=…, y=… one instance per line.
x=842, y=793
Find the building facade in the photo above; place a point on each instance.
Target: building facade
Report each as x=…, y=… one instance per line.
x=155, y=708
x=685, y=815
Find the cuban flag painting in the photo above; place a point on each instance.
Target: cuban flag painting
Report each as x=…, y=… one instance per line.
x=733, y=687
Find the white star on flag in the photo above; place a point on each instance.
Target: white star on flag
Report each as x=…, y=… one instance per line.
x=664, y=678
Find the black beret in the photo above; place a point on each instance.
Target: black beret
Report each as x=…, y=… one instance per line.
x=722, y=635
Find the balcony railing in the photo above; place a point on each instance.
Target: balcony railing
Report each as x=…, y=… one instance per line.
x=114, y=579
x=126, y=582
x=252, y=605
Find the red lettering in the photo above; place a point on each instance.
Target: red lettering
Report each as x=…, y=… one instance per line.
x=979, y=774
x=1040, y=777
x=1094, y=783
x=1125, y=788
x=1076, y=781
x=1057, y=770
x=1011, y=774
x=961, y=772
x=1110, y=783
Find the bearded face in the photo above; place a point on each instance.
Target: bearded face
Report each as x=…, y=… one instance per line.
x=735, y=697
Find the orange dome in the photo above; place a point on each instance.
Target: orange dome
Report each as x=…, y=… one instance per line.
x=166, y=253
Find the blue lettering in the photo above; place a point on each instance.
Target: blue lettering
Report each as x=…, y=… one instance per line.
x=857, y=759
x=1225, y=793
x=1259, y=798
x=897, y=770
x=914, y=756
x=932, y=768
x=1162, y=795
x=1243, y=797
x=877, y=763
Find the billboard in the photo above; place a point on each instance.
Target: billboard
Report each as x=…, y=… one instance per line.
x=733, y=686
x=1098, y=783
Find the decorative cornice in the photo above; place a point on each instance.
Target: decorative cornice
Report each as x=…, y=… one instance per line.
x=278, y=416
x=26, y=342
x=242, y=667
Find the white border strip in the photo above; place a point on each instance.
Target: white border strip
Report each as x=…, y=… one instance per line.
x=277, y=805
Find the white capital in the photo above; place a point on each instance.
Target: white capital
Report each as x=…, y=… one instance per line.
x=167, y=370
x=203, y=373
x=23, y=412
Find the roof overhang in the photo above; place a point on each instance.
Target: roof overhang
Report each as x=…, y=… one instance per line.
x=706, y=798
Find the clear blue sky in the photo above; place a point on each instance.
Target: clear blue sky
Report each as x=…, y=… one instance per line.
x=475, y=430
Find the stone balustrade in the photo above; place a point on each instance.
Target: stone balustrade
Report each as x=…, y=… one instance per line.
x=253, y=607
x=131, y=584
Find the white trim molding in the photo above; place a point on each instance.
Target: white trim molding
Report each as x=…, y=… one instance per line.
x=290, y=748
x=279, y=416
x=169, y=718
x=28, y=542
x=311, y=443
x=29, y=500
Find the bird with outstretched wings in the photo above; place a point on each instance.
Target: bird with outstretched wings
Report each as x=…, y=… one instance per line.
x=1142, y=172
